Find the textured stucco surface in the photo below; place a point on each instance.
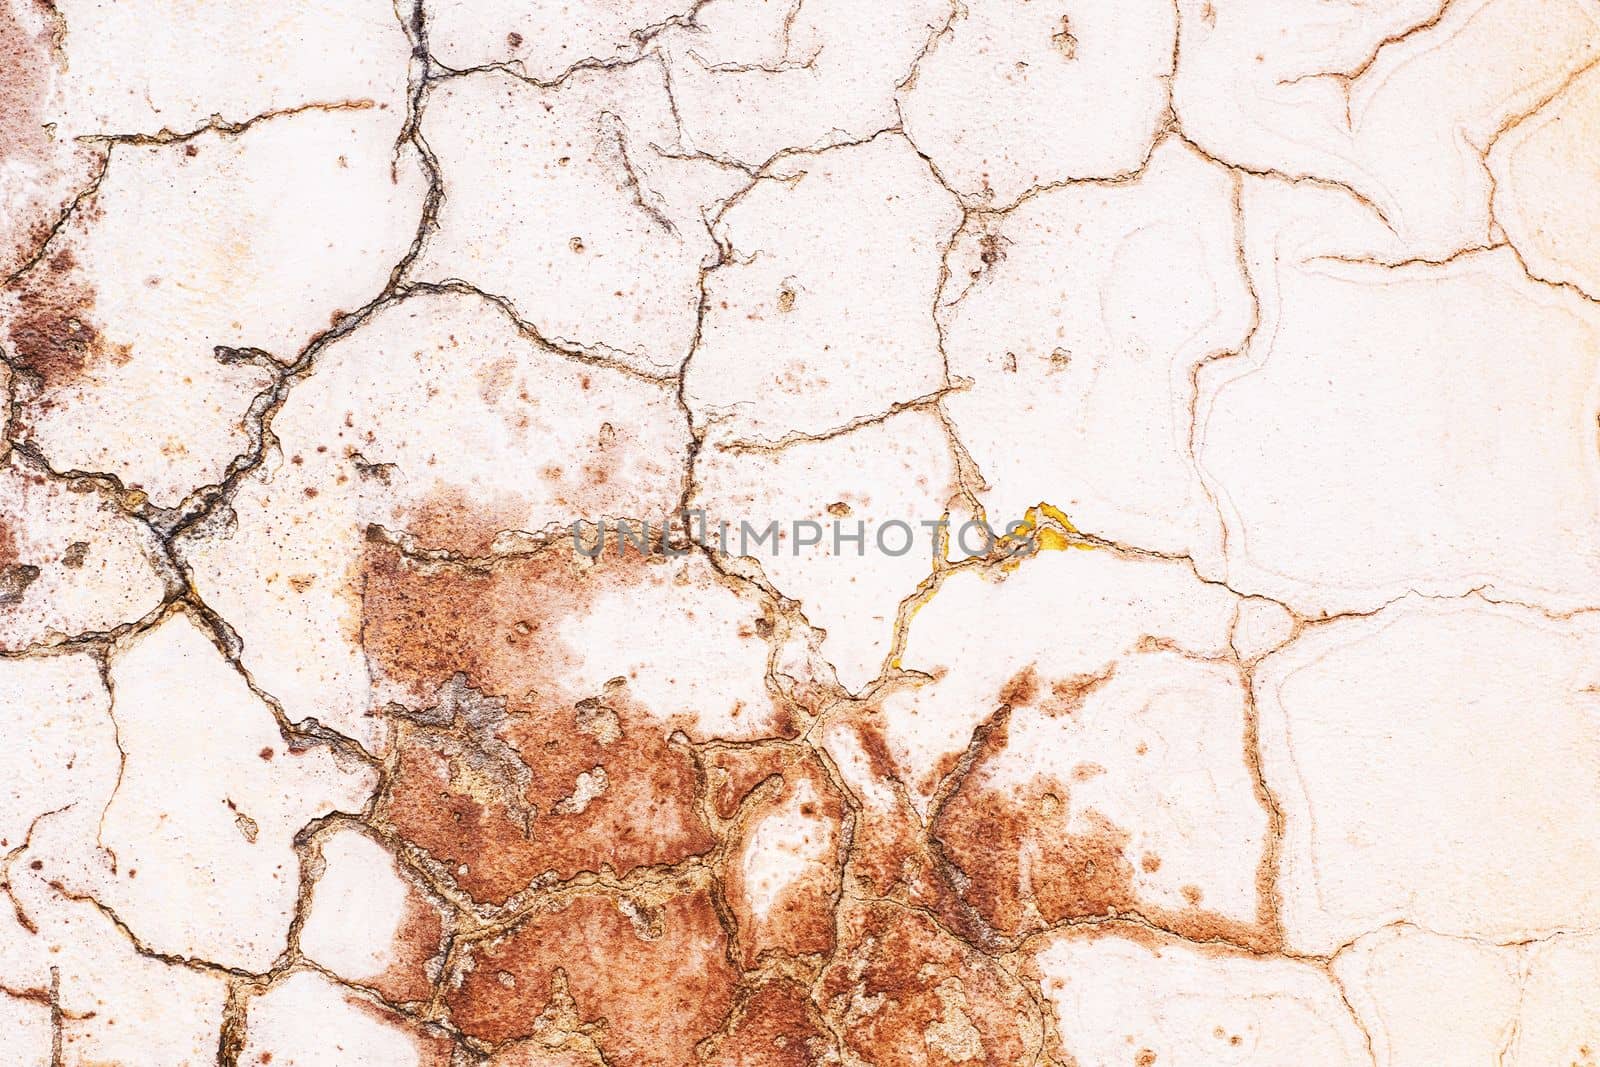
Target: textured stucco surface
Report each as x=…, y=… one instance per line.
x=1180, y=641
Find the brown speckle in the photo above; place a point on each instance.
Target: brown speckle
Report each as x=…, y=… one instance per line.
x=1064, y=41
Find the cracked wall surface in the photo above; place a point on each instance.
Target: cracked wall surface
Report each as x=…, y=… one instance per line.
x=1179, y=638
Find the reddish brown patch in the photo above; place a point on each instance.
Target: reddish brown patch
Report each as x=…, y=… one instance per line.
x=1068, y=694
x=991, y=249
x=1021, y=689
x=15, y=576
x=555, y=780
x=448, y=518
x=889, y=857
x=25, y=61
x=876, y=746
x=1021, y=867
x=733, y=773
x=418, y=942
x=1021, y=864
x=799, y=919
x=501, y=625
x=658, y=981
x=8, y=545
x=1064, y=40
x=497, y=838
x=774, y=1025
x=51, y=329
x=1016, y=851
x=905, y=993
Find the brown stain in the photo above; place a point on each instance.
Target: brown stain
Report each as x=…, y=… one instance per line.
x=991, y=249
x=652, y=984
x=733, y=773
x=801, y=919
x=499, y=836
x=1064, y=40
x=26, y=60
x=1021, y=689
x=886, y=856
x=499, y=624
x=876, y=746
x=889, y=855
x=1067, y=695
x=448, y=517
x=774, y=1025
x=1018, y=857
x=562, y=781
x=15, y=575
x=1021, y=868
x=419, y=946
x=51, y=327
x=904, y=992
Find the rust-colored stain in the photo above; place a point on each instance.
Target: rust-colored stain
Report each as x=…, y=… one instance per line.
x=660, y=805
x=905, y=992
x=520, y=776
x=52, y=329
x=800, y=921
x=649, y=972
x=773, y=1025
x=25, y=62
x=8, y=544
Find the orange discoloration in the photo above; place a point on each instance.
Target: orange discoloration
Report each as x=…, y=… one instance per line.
x=797, y=918
x=1021, y=689
x=903, y=992
x=51, y=329
x=1023, y=866
x=499, y=838
x=1068, y=694
x=1025, y=858
x=447, y=517
x=537, y=776
x=653, y=980
x=889, y=855
x=501, y=625
x=733, y=773
x=775, y=1025
x=424, y=624
x=419, y=944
